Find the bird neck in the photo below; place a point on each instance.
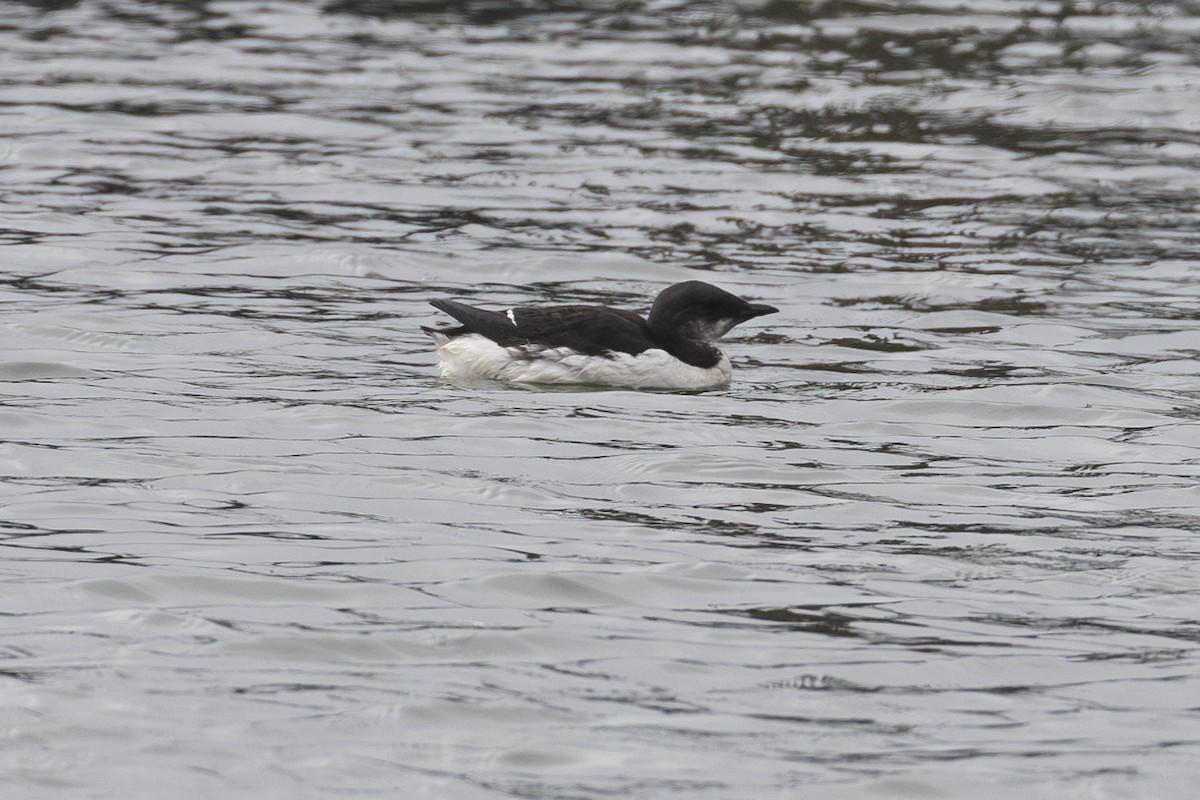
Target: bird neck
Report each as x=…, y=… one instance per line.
x=690, y=351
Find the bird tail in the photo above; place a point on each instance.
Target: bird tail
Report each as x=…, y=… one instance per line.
x=440, y=336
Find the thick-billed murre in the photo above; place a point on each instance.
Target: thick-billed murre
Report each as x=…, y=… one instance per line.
x=671, y=349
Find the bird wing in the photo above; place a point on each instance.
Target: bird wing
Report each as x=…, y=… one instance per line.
x=492, y=324
x=591, y=330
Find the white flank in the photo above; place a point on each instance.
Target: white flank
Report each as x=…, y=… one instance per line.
x=474, y=356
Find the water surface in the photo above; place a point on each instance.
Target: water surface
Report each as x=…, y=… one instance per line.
x=938, y=537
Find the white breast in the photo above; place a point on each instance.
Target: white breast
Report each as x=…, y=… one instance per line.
x=474, y=356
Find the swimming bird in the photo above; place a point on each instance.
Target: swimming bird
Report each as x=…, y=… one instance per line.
x=673, y=348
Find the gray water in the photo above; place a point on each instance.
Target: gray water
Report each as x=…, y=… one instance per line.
x=939, y=538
